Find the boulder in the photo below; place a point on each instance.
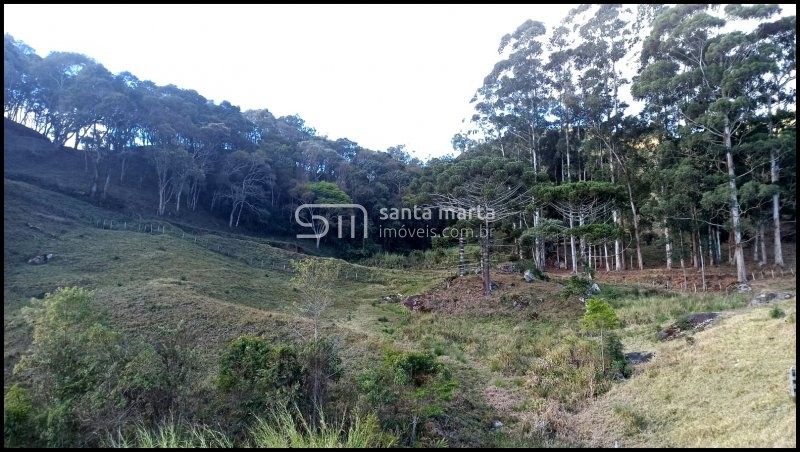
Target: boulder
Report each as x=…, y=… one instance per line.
x=40, y=259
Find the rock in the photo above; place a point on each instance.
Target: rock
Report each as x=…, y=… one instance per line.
x=742, y=288
x=393, y=298
x=767, y=297
x=496, y=424
x=692, y=322
x=639, y=357
x=40, y=259
x=529, y=276
x=669, y=333
x=521, y=303
x=594, y=288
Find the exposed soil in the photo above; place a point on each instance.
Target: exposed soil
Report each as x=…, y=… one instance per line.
x=510, y=295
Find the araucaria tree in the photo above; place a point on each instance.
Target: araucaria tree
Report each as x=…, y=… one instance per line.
x=481, y=191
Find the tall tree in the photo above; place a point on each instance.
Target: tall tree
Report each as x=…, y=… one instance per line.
x=711, y=78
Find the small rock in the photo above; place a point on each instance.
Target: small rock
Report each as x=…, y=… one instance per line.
x=594, y=288
x=639, y=357
x=496, y=424
x=40, y=259
x=529, y=276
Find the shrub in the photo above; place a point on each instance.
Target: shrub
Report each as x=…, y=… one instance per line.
x=17, y=417
x=776, y=312
x=258, y=374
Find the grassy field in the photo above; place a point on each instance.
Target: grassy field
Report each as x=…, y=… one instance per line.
x=518, y=357
x=726, y=387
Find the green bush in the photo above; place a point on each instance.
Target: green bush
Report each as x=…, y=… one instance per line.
x=260, y=375
x=17, y=418
x=776, y=312
x=576, y=287
x=618, y=364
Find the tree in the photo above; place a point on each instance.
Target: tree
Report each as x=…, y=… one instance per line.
x=315, y=279
x=600, y=317
x=709, y=79
x=483, y=190
x=319, y=193
x=243, y=176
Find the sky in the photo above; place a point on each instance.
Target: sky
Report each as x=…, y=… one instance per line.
x=380, y=75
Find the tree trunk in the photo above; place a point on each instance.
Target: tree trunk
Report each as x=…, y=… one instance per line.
x=619, y=261
x=230, y=218
x=487, y=281
x=774, y=167
x=239, y=216
x=105, y=186
x=635, y=227
x=572, y=246
x=462, y=266
x=122, y=169
x=741, y=270
x=668, y=245
x=762, y=239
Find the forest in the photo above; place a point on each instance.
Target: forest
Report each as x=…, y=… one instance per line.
x=709, y=160
x=623, y=129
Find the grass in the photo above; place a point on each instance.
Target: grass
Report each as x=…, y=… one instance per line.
x=727, y=388
x=279, y=430
x=687, y=395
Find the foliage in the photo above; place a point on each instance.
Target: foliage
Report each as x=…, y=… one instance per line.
x=259, y=375
x=599, y=316
x=17, y=417
x=282, y=430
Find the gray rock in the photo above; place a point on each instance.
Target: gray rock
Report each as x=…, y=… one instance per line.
x=529, y=276
x=40, y=259
x=594, y=288
x=639, y=357
x=496, y=423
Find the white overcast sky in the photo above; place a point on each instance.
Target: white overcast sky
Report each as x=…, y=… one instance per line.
x=380, y=75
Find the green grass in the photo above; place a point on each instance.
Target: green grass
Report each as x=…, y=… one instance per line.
x=222, y=286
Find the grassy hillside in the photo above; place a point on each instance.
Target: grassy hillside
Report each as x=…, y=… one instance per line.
x=726, y=387
x=518, y=357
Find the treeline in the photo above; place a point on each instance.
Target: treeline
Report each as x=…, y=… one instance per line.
x=709, y=159
x=250, y=167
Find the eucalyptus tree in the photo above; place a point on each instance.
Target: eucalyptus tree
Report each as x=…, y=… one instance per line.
x=244, y=175
x=709, y=79
x=779, y=41
x=514, y=101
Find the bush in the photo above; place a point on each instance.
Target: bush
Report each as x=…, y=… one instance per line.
x=576, y=287
x=776, y=312
x=17, y=418
x=259, y=375
x=618, y=364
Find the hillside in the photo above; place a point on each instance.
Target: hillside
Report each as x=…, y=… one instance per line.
x=151, y=280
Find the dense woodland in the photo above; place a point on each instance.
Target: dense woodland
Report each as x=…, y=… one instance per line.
x=709, y=159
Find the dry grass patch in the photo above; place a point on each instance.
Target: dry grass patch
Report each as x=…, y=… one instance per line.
x=728, y=387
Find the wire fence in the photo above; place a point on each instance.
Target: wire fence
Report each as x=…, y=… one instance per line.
x=250, y=252
x=266, y=255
